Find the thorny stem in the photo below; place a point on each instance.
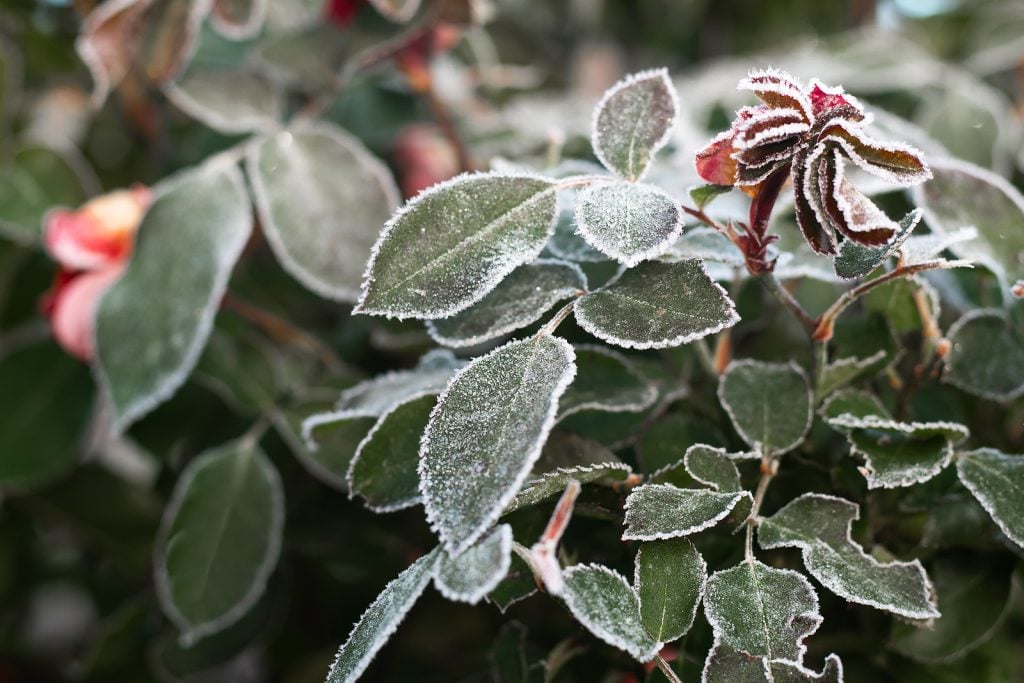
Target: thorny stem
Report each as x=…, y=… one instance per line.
x=281, y=330
x=769, y=468
x=666, y=669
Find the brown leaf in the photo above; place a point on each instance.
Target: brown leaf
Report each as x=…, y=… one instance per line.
x=108, y=43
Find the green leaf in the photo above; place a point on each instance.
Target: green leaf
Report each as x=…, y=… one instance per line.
x=974, y=597
x=478, y=570
x=707, y=244
x=851, y=403
x=239, y=19
x=768, y=403
x=322, y=199
x=481, y=227
x=381, y=619
x=377, y=396
x=627, y=221
x=659, y=511
x=987, y=356
x=508, y=655
x=820, y=526
x=657, y=305
x=606, y=381
x=669, y=580
x=220, y=538
x=900, y=453
x=712, y=467
x=520, y=300
x=855, y=260
x=726, y=665
x=37, y=180
x=383, y=469
x=187, y=244
x=762, y=611
x=997, y=481
x=634, y=120
x=702, y=195
x=608, y=607
x=961, y=194
x=46, y=401
x=328, y=443
x=486, y=433
x=517, y=585
x=846, y=371
x=228, y=100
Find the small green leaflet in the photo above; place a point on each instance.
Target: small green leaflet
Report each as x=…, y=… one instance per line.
x=820, y=526
x=845, y=371
x=188, y=243
x=762, y=611
x=900, y=453
x=606, y=381
x=452, y=244
x=381, y=619
x=997, y=481
x=726, y=665
x=220, y=538
x=702, y=195
x=609, y=608
x=857, y=260
x=634, y=120
x=659, y=511
x=478, y=570
x=987, y=356
x=669, y=578
x=769, y=404
x=230, y=101
x=712, y=467
x=628, y=222
x=486, y=433
x=657, y=305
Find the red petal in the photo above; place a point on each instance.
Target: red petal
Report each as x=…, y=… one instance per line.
x=715, y=163
x=74, y=311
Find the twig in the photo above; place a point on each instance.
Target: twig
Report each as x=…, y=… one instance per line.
x=666, y=669
x=769, y=468
x=784, y=297
x=282, y=330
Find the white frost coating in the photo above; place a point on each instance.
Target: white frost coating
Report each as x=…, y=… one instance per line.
x=378, y=395
x=469, y=577
x=925, y=248
x=228, y=255
x=851, y=366
x=659, y=511
x=898, y=178
x=631, y=81
x=381, y=619
x=646, y=400
x=776, y=81
x=247, y=29
x=866, y=259
x=497, y=275
x=750, y=438
x=907, y=476
x=695, y=471
x=833, y=668
x=951, y=377
x=818, y=555
x=607, y=616
x=952, y=430
x=190, y=632
x=279, y=242
x=528, y=459
x=860, y=214
x=702, y=570
x=985, y=499
x=554, y=481
x=629, y=222
x=238, y=120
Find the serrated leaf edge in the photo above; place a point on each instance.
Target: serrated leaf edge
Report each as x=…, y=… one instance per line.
x=753, y=443
x=984, y=499
x=505, y=540
x=686, y=531
x=584, y=230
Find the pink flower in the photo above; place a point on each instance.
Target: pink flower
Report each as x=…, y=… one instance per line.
x=92, y=246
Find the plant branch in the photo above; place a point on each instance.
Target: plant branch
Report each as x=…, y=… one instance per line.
x=666, y=669
x=281, y=330
x=769, y=468
x=772, y=284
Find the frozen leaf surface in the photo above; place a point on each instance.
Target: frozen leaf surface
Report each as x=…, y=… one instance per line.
x=187, y=244
x=845, y=371
x=478, y=570
x=997, y=481
x=606, y=381
x=609, y=608
x=769, y=404
x=452, y=244
x=707, y=244
x=228, y=100
x=486, y=433
x=381, y=619
x=628, y=222
x=383, y=469
x=855, y=260
x=669, y=579
x=712, y=467
x=328, y=442
x=520, y=300
x=820, y=526
x=987, y=356
x=220, y=538
x=726, y=665
x=634, y=120
x=762, y=611
x=658, y=511
x=376, y=396
x=657, y=305
x=322, y=199
x=900, y=453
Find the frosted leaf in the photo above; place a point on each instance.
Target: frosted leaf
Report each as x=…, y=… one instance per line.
x=517, y=585
x=658, y=511
x=963, y=195
x=922, y=430
x=520, y=300
x=322, y=199
x=399, y=11
x=238, y=19
x=608, y=607
x=820, y=526
x=36, y=179
x=187, y=244
x=486, y=433
x=926, y=248
x=633, y=121
x=566, y=243
x=987, y=356
x=855, y=260
x=657, y=305
x=478, y=570
x=208, y=575
x=376, y=396
x=997, y=481
x=712, y=467
x=383, y=469
x=843, y=371
x=974, y=597
x=762, y=611
x=707, y=244
x=324, y=444
x=453, y=243
x=669, y=579
x=381, y=619
x=850, y=404
x=228, y=100
x=702, y=195
x=900, y=453
x=629, y=222
x=769, y=404
x=726, y=665
x=606, y=381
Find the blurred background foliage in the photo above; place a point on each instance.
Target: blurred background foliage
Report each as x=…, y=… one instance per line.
x=76, y=591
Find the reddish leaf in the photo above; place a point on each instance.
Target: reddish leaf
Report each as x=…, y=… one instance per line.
x=109, y=42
